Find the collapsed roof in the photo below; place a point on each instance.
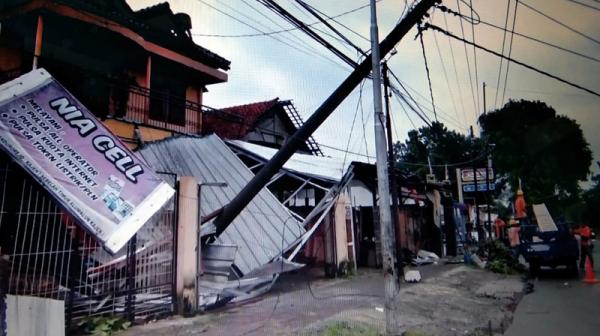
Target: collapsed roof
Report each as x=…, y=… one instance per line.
x=263, y=230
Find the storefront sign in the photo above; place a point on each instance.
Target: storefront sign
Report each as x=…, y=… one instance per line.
x=86, y=168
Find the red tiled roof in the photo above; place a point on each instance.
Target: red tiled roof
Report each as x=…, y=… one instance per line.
x=231, y=130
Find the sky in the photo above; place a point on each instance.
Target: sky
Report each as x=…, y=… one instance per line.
x=290, y=65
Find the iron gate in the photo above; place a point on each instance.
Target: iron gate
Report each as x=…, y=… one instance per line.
x=50, y=256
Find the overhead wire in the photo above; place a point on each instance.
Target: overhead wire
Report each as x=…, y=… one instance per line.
x=584, y=5
x=462, y=29
x=283, y=30
x=560, y=23
x=427, y=72
x=450, y=93
x=509, y=51
x=502, y=52
x=546, y=43
x=475, y=59
x=308, y=53
x=272, y=21
x=528, y=37
x=460, y=94
x=545, y=73
x=296, y=38
x=277, y=9
x=441, y=114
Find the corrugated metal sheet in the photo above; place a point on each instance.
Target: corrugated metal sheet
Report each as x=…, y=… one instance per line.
x=262, y=230
x=321, y=167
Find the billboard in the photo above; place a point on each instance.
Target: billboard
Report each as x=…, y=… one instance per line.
x=468, y=176
x=87, y=169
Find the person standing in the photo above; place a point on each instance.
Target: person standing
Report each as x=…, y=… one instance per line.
x=585, y=232
x=513, y=236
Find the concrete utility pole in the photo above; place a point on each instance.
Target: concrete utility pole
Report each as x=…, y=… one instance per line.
x=383, y=185
x=487, y=172
x=392, y=162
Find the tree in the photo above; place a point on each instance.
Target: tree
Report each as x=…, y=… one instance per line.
x=442, y=147
x=591, y=203
x=548, y=152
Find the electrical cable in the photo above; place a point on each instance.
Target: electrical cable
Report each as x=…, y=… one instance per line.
x=502, y=52
x=436, y=28
x=462, y=29
x=353, y=122
x=460, y=94
x=479, y=111
x=308, y=53
x=591, y=58
x=441, y=113
x=560, y=23
x=273, y=6
x=301, y=41
x=509, y=50
x=451, y=94
x=284, y=30
x=313, y=12
x=405, y=112
x=427, y=71
x=531, y=38
x=584, y=4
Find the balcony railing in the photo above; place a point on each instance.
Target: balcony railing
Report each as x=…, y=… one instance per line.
x=108, y=98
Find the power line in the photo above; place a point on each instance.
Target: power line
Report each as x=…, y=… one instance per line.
x=273, y=6
x=427, y=71
x=509, y=50
x=584, y=4
x=460, y=94
x=436, y=28
x=308, y=53
x=404, y=86
x=437, y=46
x=502, y=52
x=313, y=12
x=475, y=58
x=560, y=23
x=591, y=58
x=462, y=29
x=284, y=30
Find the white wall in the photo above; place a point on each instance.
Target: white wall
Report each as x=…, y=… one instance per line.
x=33, y=316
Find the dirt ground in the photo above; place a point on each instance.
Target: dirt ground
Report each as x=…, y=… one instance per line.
x=451, y=300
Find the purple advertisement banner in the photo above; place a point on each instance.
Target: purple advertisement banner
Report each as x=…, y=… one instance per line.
x=86, y=168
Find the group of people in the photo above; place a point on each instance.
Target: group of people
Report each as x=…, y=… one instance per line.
x=511, y=233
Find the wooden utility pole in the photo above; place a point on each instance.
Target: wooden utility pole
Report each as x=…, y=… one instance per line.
x=390, y=273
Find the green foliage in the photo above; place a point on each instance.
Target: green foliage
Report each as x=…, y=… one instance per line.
x=348, y=329
x=547, y=151
x=442, y=146
x=102, y=325
x=500, y=259
x=590, y=211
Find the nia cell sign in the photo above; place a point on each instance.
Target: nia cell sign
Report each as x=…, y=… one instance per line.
x=87, y=169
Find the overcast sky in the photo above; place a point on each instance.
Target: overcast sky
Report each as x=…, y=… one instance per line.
x=290, y=66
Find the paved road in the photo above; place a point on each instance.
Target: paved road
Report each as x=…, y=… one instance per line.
x=559, y=306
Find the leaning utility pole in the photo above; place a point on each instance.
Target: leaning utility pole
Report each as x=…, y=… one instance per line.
x=390, y=273
x=260, y=180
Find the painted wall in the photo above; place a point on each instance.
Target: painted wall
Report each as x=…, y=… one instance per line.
x=34, y=316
